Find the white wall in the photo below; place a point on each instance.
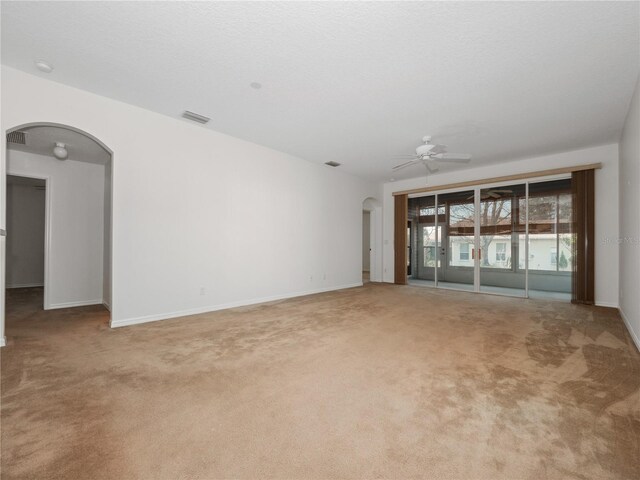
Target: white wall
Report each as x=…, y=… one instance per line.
x=630, y=218
x=606, y=186
x=76, y=226
x=366, y=240
x=25, y=236
x=206, y=221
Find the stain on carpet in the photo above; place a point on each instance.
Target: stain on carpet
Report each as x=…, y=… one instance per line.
x=381, y=381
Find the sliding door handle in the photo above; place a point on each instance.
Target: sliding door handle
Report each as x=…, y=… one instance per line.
x=3, y=232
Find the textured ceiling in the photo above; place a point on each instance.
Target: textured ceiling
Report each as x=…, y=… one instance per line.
x=354, y=82
x=42, y=139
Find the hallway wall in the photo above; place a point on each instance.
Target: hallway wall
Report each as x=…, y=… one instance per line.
x=629, y=238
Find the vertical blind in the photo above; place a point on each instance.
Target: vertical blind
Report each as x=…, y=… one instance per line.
x=583, y=189
x=400, y=240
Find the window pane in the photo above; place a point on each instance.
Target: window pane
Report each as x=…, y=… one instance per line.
x=497, y=229
x=429, y=246
x=550, y=222
x=565, y=258
x=461, y=231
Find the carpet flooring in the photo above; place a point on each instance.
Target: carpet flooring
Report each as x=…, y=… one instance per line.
x=374, y=382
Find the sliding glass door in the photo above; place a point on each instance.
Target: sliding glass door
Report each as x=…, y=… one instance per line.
x=550, y=239
x=457, y=245
x=501, y=233
x=513, y=239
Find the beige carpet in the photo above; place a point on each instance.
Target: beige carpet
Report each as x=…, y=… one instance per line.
x=373, y=382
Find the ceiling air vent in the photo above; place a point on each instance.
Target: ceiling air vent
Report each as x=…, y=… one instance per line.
x=195, y=117
x=332, y=164
x=17, y=137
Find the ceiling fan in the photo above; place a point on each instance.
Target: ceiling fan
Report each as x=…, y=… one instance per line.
x=492, y=193
x=429, y=154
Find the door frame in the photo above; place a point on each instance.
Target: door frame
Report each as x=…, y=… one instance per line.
x=373, y=206
x=47, y=231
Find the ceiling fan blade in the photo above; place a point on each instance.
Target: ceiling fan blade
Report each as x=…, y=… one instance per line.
x=405, y=164
x=438, y=149
x=432, y=166
x=453, y=157
x=405, y=155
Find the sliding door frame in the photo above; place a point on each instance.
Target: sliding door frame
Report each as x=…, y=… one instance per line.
x=477, y=203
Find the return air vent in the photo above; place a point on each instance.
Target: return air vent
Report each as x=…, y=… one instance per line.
x=332, y=164
x=17, y=137
x=195, y=117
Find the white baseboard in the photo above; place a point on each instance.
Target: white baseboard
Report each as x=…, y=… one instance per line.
x=106, y=305
x=243, y=303
x=633, y=334
x=607, y=304
x=3, y=341
x=82, y=303
x=25, y=285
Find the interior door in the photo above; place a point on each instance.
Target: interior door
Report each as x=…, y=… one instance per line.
x=429, y=265
x=426, y=255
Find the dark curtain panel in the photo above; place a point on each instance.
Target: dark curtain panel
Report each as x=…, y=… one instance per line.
x=400, y=240
x=582, y=185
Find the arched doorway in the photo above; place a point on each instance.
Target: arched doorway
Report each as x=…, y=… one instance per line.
x=76, y=180
x=372, y=240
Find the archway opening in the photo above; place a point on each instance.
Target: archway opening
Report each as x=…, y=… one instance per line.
x=371, y=243
x=57, y=219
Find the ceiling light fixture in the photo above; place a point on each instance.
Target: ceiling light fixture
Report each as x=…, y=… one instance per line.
x=44, y=66
x=60, y=151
